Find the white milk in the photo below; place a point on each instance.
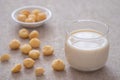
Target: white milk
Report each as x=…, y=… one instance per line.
x=86, y=50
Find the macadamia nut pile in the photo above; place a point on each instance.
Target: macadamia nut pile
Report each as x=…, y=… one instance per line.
x=34, y=15
x=29, y=48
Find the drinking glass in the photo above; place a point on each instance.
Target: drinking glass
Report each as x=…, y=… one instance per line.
x=87, y=51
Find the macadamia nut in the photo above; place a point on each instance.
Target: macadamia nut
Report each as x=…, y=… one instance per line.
x=26, y=48
x=34, y=34
x=36, y=11
x=41, y=16
x=32, y=16
x=29, y=20
x=16, y=68
x=34, y=42
x=34, y=54
x=24, y=33
x=39, y=71
x=47, y=50
x=14, y=44
x=25, y=12
x=21, y=17
x=5, y=57
x=28, y=63
x=58, y=65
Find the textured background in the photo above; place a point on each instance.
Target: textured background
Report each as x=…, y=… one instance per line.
x=64, y=11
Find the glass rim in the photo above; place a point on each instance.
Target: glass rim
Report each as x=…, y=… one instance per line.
x=93, y=21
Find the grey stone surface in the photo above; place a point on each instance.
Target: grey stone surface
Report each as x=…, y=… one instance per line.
x=64, y=11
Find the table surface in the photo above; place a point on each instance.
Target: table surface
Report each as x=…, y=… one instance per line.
x=64, y=11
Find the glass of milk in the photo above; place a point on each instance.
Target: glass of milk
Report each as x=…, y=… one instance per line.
x=86, y=45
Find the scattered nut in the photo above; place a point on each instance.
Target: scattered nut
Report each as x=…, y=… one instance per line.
x=16, y=68
x=34, y=34
x=28, y=63
x=5, y=57
x=34, y=54
x=14, y=44
x=26, y=48
x=47, y=50
x=58, y=65
x=34, y=42
x=39, y=71
x=24, y=33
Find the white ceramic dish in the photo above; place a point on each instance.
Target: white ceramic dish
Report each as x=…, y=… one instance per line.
x=34, y=24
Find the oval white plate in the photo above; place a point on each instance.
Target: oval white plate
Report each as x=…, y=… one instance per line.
x=34, y=24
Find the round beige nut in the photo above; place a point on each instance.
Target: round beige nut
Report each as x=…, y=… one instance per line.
x=41, y=16
x=39, y=71
x=47, y=50
x=25, y=12
x=28, y=63
x=16, y=68
x=34, y=34
x=32, y=16
x=34, y=54
x=58, y=65
x=36, y=11
x=30, y=20
x=34, y=42
x=5, y=57
x=21, y=17
x=14, y=44
x=24, y=33
x=26, y=48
